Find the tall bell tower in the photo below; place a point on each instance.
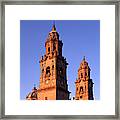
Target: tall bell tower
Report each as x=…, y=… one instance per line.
x=84, y=85
x=53, y=78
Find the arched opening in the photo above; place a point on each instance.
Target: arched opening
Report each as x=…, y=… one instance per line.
x=54, y=46
x=42, y=70
x=77, y=89
x=48, y=49
x=48, y=70
x=52, y=67
x=81, y=89
x=81, y=75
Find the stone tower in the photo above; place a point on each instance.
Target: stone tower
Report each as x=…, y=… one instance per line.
x=53, y=79
x=84, y=85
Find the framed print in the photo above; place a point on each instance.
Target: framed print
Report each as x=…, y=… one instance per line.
x=60, y=60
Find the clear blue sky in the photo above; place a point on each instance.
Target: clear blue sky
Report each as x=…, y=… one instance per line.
x=80, y=38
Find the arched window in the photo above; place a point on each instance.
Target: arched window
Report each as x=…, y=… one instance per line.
x=48, y=70
x=77, y=88
x=54, y=47
x=48, y=49
x=81, y=89
x=42, y=70
x=81, y=75
x=52, y=67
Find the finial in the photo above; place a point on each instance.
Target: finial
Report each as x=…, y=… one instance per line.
x=53, y=28
x=53, y=22
x=84, y=58
x=34, y=86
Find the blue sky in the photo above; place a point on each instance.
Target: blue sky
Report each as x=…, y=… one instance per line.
x=80, y=38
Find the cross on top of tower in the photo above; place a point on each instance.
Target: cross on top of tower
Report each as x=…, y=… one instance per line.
x=84, y=58
x=34, y=87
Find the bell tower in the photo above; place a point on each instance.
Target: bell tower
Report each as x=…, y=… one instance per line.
x=84, y=85
x=53, y=78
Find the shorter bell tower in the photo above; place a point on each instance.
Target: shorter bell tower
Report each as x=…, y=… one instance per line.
x=84, y=85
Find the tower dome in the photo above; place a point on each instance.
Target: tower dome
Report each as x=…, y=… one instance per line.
x=53, y=34
x=32, y=95
x=84, y=64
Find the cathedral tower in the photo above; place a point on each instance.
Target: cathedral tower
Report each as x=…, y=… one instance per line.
x=53, y=78
x=84, y=85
